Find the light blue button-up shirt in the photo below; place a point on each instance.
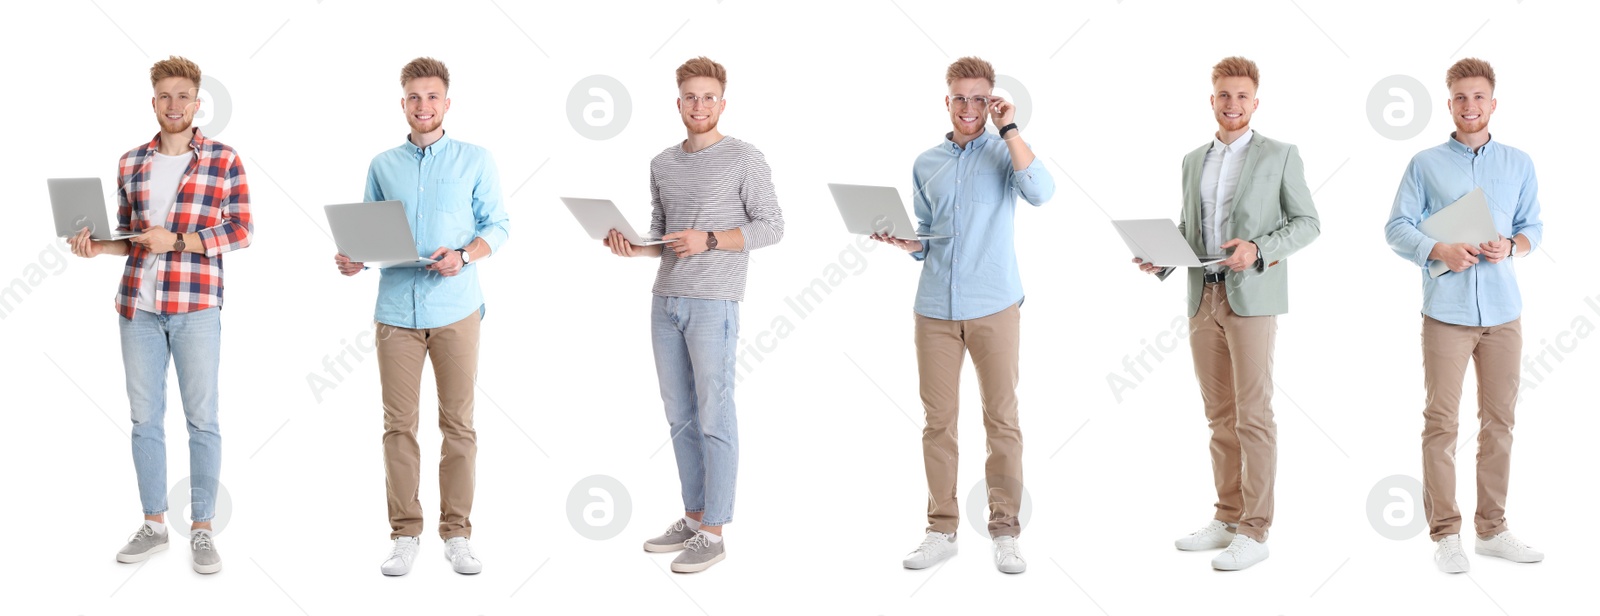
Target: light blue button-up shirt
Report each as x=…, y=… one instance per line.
x=971, y=194
x=1485, y=294
x=451, y=191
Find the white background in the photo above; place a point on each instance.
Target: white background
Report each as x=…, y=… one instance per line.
x=831, y=492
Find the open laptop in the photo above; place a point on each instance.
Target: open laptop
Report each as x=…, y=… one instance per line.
x=875, y=209
x=79, y=203
x=1157, y=241
x=600, y=216
x=1466, y=221
x=375, y=232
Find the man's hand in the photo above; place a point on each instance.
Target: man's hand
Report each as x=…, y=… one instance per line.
x=448, y=262
x=157, y=240
x=1498, y=250
x=1149, y=268
x=1243, y=257
x=1001, y=111
x=85, y=246
x=346, y=266
x=906, y=245
x=619, y=245
x=1458, y=257
x=686, y=243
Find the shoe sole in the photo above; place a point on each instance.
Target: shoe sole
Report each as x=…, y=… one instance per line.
x=1236, y=567
x=208, y=569
x=907, y=564
x=1482, y=552
x=658, y=548
x=1010, y=572
x=698, y=567
x=133, y=558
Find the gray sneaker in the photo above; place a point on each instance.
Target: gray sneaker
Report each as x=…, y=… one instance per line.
x=206, y=559
x=142, y=544
x=672, y=540
x=699, y=553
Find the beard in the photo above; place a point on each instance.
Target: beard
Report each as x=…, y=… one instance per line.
x=977, y=129
x=700, y=128
x=1476, y=126
x=432, y=125
x=1232, y=124
x=169, y=126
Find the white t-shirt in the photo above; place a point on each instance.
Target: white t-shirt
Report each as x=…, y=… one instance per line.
x=166, y=174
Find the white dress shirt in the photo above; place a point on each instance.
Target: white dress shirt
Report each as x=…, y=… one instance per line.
x=1219, y=182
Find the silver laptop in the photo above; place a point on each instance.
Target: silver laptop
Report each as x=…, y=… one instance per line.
x=78, y=203
x=875, y=209
x=600, y=216
x=375, y=232
x=1157, y=241
x=1466, y=221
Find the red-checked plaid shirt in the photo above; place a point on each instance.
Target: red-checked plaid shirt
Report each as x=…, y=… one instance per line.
x=213, y=201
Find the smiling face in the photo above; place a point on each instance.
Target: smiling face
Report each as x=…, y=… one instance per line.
x=969, y=118
x=1233, y=101
x=175, y=101
x=1471, y=103
x=700, y=117
x=425, y=104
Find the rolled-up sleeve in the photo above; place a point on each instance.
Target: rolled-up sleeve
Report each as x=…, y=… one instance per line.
x=234, y=232
x=1034, y=183
x=760, y=204
x=1404, y=238
x=1526, y=222
x=488, y=208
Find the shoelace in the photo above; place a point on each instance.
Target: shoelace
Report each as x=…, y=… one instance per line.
x=144, y=531
x=403, y=549
x=931, y=541
x=677, y=527
x=1209, y=529
x=1008, y=549
x=458, y=549
x=200, y=541
x=697, y=542
x=1451, y=548
x=1236, y=547
x=1513, y=541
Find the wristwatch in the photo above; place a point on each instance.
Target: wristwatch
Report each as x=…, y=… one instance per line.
x=711, y=241
x=178, y=246
x=466, y=257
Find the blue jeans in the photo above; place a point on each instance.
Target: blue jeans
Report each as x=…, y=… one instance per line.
x=193, y=341
x=695, y=341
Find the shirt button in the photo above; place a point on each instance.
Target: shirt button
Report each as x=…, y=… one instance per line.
x=421, y=189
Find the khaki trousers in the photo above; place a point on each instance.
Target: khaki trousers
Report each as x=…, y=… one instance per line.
x=1497, y=353
x=454, y=351
x=993, y=342
x=1233, y=362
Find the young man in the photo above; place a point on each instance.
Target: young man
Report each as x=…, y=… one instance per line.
x=187, y=198
x=713, y=202
x=451, y=193
x=1472, y=311
x=969, y=301
x=1243, y=195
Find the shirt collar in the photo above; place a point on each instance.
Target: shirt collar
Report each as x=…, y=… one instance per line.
x=1238, y=144
x=433, y=148
x=195, y=142
x=950, y=141
x=1462, y=148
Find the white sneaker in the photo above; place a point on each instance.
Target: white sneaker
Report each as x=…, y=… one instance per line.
x=1008, y=555
x=1508, y=546
x=934, y=549
x=405, y=552
x=1214, y=536
x=1449, y=557
x=459, y=553
x=1242, y=552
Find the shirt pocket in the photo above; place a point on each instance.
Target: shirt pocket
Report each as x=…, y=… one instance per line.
x=1503, y=196
x=452, y=208
x=989, y=188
